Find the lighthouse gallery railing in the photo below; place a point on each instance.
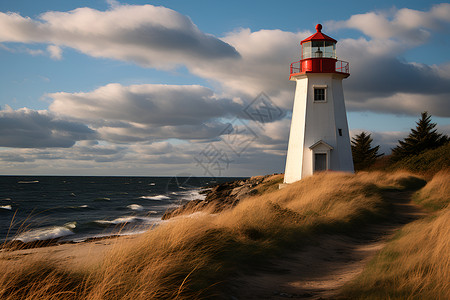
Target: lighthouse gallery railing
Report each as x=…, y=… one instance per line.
x=341, y=67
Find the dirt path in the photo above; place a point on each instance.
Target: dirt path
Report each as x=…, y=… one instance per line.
x=318, y=271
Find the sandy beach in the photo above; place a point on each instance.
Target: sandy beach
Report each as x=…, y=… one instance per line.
x=69, y=255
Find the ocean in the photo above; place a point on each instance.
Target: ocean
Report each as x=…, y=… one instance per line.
x=76, y=208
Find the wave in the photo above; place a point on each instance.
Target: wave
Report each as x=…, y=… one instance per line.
x=158, y=197
x=46, y=233
x=7, y=207
x=135, y=207
x=31, y=181
x=193, y=194
x=6, y=199
x=121, y=220
x=102, y=199
x=152, y=183
x=78, y=206
x=128, y=220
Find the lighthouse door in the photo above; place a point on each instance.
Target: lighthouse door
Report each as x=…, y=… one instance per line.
x=320, y=162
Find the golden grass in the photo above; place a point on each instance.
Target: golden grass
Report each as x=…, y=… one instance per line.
x=193, y=257
x=436, y=194
x=416, y=263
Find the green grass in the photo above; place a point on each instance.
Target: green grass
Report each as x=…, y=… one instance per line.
x=429, y=162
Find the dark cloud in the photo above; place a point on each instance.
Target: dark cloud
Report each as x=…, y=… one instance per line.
x=384, y=76
x=27, y=128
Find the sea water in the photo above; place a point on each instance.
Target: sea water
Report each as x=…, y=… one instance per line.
x=75, y=208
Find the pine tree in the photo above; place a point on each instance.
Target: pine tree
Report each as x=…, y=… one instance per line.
x=423, y=137
x=363, y=154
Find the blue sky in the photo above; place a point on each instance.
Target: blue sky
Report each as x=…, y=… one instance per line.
x=147, y=87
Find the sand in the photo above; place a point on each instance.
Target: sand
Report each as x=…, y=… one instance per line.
x=73, y=256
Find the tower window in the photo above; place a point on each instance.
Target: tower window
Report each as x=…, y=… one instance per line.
x=340, y=131
x=320, y=94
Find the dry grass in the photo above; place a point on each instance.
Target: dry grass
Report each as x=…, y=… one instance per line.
x=436, y=194
x=416, y=263
x=192, y=257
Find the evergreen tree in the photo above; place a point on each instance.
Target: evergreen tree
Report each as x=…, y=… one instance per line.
x=423, y=137
x=363, y=154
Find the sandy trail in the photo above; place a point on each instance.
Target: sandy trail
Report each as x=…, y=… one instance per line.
x=319, y=271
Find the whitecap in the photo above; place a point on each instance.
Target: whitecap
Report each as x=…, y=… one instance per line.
x=121, y=220
x=45, y=233
x=31, y=181
x=8, y=207
x=193, y=194
x=78, y=206
x=135, y=207
x=102, y=199
x=128, y=220
x=71, y=225
x=158, y=197
x=6, y=199
x=152, y=183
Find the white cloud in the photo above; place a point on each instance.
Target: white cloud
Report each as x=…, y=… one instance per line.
x=263, y=67
x=33, y=52
x=406, y=25
x=148, y=112
x=147, y=35
x=55, y=52
x=145, y=104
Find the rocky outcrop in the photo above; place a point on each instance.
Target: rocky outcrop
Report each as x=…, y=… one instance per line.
x=222, y=196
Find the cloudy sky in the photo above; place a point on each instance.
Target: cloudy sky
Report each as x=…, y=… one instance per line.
x=201, y=87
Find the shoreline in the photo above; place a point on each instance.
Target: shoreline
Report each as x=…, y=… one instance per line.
x=219, y=197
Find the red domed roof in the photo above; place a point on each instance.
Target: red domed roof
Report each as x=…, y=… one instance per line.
x=318, y=36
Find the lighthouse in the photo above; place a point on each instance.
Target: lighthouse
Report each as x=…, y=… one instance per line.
x=319, y=138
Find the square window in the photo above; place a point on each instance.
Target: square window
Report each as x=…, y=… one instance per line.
x=319, y=94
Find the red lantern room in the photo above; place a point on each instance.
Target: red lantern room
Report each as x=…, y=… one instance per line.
x=319, y=56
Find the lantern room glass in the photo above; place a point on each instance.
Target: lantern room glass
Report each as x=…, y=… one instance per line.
x=317, y=49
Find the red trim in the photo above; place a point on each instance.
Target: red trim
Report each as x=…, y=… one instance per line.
x=319, y=65
x=318, y=36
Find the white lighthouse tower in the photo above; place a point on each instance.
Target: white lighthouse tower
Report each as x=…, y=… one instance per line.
x=319, y=138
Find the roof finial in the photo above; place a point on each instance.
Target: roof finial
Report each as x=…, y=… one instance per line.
x=319, y=27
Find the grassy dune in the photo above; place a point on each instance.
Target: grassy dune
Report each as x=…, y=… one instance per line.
x=416, y=263
x=436, y=194
x=193, y=257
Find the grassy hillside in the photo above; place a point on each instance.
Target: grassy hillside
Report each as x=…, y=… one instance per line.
x=428, y=162
x=193, y=257
x=416, y=263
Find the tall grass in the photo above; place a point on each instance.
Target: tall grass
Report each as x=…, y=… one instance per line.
x=416, y=263
x=428, y=162
x=194, y=257
x=436, y=194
